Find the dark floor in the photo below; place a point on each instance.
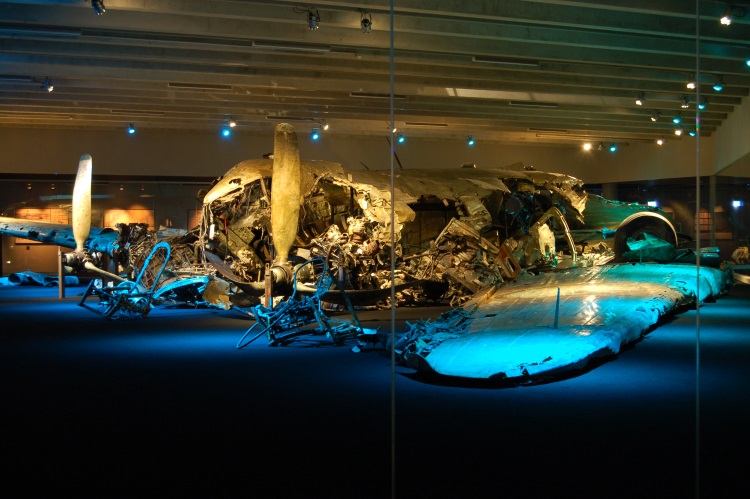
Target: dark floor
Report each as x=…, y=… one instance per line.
x=167, y=406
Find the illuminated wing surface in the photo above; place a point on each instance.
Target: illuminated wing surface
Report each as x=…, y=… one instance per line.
x=513, y=334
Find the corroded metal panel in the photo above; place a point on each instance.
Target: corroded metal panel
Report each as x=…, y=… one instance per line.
x=513, y=334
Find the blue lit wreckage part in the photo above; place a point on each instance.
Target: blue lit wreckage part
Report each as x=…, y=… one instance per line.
x=130, y=298
x=509, y=333
x=290, y=317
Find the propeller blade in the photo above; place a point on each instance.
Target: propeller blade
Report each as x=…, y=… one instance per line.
x=285, y=190
x=90, y=266
x=82, y=202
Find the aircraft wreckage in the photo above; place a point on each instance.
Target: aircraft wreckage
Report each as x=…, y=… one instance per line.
x=493, y=242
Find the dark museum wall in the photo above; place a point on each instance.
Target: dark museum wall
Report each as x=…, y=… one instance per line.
x=155, y=152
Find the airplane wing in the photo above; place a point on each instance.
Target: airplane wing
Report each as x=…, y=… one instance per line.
x=57, y=234
x=519, y=332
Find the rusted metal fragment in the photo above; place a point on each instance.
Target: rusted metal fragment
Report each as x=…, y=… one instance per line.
x=512, y=335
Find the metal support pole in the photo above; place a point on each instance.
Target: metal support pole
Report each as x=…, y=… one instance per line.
x=60, y=275
x=268, y=297
x=557, y=307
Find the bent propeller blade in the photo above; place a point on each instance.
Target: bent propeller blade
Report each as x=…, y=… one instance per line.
x=82, y=202
x=285, y=190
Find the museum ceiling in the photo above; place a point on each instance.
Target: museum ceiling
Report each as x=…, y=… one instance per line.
x=541, y=71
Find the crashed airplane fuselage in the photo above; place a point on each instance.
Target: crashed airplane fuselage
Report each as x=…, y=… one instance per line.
x=444, y=234
x=465, y=229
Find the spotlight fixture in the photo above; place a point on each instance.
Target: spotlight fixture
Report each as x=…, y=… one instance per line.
x=315, y=134
x=641, y=99
x=684, y=102
x=587, y=146
x=677, y=119
x=400, y=138
x=226, y=131
x=731, y=14
x=131, y=129
x=678, y=130
x=122, y=187
x=600, y=147
x=324, y=125
x=690, y=83
x=660, y=141
x=719, y=85
x=52, y=187
x=98, y=6
x=692, y=133
x=613, y=148
x=737, y=203
x=313, y=18
x=747, y=62
x=366, y=21
x=232, y=122
x=656, y=116
x=469, y=141
x=702, y=105
x=47, y=85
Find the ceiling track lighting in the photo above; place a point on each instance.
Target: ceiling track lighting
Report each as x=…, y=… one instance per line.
x=733, y=12
x=587, y=146
x=719, y=85
x=470, y=141
x=691, y=83
x=677, y=119
x=232, y=122
x=47, y=85
x=313, y=18
x=366, y=21
x=600, y=147
x=660, y=141
x=613, y=148
x=684, y=102
x=315, y=134
x=702, y=105
x=131, y=129
x=678, y=131
x=323, y=124
x=400, y=138
x=656, y=116
x=226, y=132
x=640, y=99
x=98, y=6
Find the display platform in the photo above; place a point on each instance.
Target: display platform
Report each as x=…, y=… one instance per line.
x=168, y=406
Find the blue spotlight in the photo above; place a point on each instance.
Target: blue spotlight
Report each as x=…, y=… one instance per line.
x=612, y=148
x=131, y=129
x=469, y=140
x=226, y=132
x=400, y=139
x=719, y=85
x=315, y=135
x=677, y=119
